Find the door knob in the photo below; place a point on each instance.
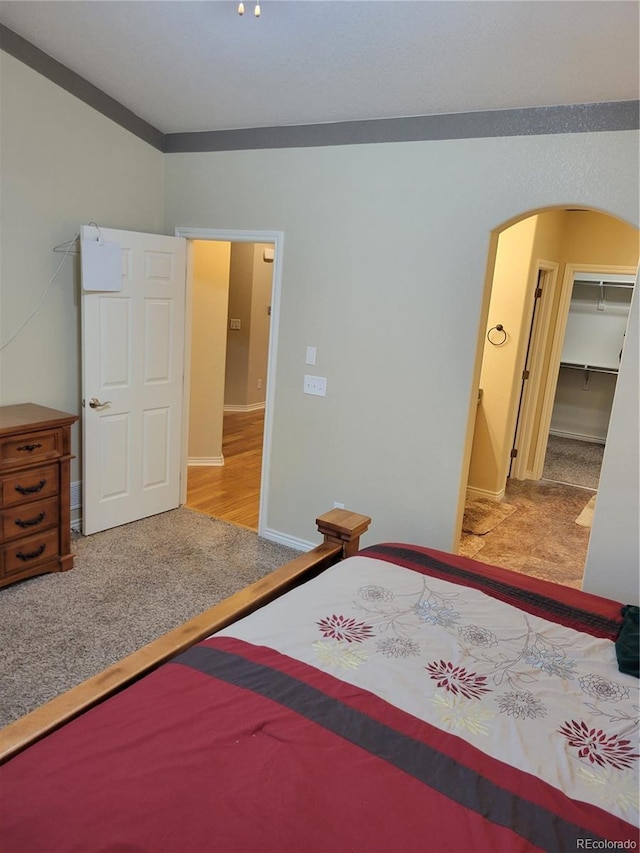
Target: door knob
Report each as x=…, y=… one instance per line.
x=94, y=403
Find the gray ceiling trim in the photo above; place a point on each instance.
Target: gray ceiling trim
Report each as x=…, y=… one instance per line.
x=76, y=85
x=574, y=118
x=532, y=121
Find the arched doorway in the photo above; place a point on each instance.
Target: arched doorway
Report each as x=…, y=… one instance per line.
x=533, y=522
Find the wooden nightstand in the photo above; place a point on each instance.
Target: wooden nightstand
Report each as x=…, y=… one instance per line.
x=35, y=455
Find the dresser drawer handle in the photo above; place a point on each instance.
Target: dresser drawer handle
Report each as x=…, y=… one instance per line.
x=31, y=522
x=29, y=447
x=32, y=556
x=30, y=490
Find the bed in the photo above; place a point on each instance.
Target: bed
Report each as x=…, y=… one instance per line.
x=401, y=699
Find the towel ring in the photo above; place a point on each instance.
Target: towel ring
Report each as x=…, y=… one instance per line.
x=501, y=329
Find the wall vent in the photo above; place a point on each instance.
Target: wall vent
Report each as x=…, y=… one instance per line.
x=76, y=495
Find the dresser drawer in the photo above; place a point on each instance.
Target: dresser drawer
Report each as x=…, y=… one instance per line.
x=29, y=519
x=30, y=485
x=28, y=552
x=30, y=447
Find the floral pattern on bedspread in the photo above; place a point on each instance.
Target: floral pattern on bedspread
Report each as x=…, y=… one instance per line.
x=542, y=697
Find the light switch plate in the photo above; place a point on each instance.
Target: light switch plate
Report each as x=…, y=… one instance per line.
x=234, y=324
x=311, y=355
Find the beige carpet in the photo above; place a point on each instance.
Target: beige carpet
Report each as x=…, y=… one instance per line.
x=585, y=519
x=482, y=514
x=128, y=586
x=574, y=462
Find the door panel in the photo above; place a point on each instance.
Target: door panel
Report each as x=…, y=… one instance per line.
x=158, y=337
x=156, y=448
x=114, y=362
x=133, y=356
x=114, y=443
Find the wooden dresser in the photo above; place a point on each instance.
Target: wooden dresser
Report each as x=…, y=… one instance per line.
x=35, y=455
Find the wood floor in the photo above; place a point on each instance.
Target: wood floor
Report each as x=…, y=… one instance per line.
x=232, y=491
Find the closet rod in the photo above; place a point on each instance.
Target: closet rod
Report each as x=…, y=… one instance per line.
x=604, y=284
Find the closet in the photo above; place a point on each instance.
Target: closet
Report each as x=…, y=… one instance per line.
x=594, y=337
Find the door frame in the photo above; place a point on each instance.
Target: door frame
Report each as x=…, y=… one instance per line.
x=525, y=436
x=236, y=236
x=550, y=380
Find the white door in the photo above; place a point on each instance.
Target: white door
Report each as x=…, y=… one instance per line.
x=132, y=382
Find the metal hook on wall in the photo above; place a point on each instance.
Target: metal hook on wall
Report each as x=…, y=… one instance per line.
x=500, y=329
x=72, y=247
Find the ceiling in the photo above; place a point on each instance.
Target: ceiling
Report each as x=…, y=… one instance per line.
x=198, y=66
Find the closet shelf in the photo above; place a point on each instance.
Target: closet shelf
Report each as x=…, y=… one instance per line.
x=589, y=367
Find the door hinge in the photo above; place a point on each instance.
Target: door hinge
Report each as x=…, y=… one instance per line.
x=525, y=374
x=514, y=453
x=538, y=292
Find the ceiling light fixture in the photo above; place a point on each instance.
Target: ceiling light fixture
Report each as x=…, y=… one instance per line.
x=257, y=11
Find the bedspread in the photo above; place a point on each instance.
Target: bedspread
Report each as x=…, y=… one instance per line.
x=405, y=700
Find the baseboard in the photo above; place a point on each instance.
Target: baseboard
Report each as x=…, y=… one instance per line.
x=594, y=439
x=288, y=541
x=205, y=461
x=484, y=493
x=251, y=407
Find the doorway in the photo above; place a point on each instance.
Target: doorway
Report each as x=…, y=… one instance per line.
x=598, y=313
x=213, y=373
x=232, y=290
x=536, y=531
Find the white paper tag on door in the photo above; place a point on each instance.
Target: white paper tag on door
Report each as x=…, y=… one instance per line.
x=101, y=265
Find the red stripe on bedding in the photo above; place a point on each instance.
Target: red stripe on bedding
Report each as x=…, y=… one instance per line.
x=521, y=784
x=573, y=608
x=185, y=762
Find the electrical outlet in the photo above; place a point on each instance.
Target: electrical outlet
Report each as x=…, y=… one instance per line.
x=259, y=384
x=316, y=385
x=234, y=324
x=338, y=505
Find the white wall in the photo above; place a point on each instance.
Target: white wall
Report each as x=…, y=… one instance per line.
x=62, y=165
x=613, y=557
x=384, y=271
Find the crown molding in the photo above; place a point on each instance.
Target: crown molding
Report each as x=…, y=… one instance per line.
x=529, y=121
x=76, y=85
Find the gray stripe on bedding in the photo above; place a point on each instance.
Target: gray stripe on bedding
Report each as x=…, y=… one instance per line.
x=425, y=763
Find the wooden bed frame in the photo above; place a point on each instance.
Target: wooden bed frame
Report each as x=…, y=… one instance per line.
x=341, y=530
